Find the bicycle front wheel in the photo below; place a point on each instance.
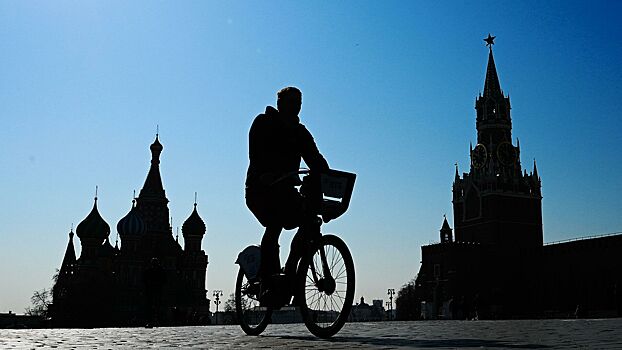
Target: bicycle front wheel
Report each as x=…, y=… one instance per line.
x=326, y=287
x=252, y=318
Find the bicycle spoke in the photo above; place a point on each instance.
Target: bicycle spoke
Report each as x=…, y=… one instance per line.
x=318, y=266
x=314, y=297
x=341, y=269
x=334, y=255
x=339, y=260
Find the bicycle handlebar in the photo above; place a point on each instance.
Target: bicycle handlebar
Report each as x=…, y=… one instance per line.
x=302, y=171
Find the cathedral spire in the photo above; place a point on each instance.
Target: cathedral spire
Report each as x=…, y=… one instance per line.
x=153, y=184
x=70, y=255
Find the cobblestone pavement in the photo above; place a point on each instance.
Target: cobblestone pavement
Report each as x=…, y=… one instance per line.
x=524, y=334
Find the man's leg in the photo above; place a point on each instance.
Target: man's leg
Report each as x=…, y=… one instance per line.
x=307, y=231
x=270, y=293
x=270, y=261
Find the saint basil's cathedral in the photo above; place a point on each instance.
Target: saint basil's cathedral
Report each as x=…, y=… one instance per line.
x=149, y=279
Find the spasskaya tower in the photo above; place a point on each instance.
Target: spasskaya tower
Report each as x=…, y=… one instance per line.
x=497, y=202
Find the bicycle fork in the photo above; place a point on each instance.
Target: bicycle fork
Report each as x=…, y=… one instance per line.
x=326, y=283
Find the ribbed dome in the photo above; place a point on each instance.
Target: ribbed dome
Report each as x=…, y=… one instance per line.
x=131, y=224
x=194, y=225
x=93, y=226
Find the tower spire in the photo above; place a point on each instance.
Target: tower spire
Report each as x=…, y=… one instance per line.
x=446, y=231
x=493, y=123
x=492, y=88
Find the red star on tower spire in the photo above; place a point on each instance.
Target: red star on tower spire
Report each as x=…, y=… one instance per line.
x=490, y=40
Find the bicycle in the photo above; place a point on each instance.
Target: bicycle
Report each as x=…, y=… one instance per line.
x=323, y=285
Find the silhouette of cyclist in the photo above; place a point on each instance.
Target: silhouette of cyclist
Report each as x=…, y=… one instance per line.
x=277, y=142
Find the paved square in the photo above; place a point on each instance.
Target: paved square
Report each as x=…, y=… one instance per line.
x=522, y=334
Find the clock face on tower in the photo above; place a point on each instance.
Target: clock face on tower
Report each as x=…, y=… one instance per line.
x=506, y=153
x=479, y=156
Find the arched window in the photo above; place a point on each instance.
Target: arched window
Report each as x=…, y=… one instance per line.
x=472, y=204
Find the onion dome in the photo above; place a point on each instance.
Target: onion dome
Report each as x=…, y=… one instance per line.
x=131, y=224
x=194, y=225
x=93, y=226
x=156, y=148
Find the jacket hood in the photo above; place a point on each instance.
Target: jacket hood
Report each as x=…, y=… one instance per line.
x=274, y=113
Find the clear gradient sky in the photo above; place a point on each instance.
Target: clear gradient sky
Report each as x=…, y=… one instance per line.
x=389, y=89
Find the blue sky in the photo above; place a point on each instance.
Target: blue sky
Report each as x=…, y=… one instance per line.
x=388, y=91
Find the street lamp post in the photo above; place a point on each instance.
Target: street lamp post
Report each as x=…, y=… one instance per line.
x=390, y=293
x=217, y=294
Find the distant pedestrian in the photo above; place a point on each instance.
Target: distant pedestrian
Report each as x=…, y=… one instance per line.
x=579, y=312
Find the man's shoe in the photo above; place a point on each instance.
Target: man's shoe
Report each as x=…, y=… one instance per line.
x=273, y=292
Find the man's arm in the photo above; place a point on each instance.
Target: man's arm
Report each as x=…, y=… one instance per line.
x=310, y=153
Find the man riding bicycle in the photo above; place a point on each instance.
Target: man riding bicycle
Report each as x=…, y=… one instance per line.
x=277, y=143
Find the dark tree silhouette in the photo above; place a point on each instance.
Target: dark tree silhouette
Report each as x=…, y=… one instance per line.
x=41, y=300
x=230, y=303
x=406, y=303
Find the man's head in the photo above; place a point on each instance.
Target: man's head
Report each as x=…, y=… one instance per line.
x=289, y=101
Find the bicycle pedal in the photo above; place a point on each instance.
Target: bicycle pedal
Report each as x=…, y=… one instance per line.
x=271, y=299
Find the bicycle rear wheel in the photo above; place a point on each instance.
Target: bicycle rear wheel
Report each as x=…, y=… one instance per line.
x=325, y=293
x=252, y=318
